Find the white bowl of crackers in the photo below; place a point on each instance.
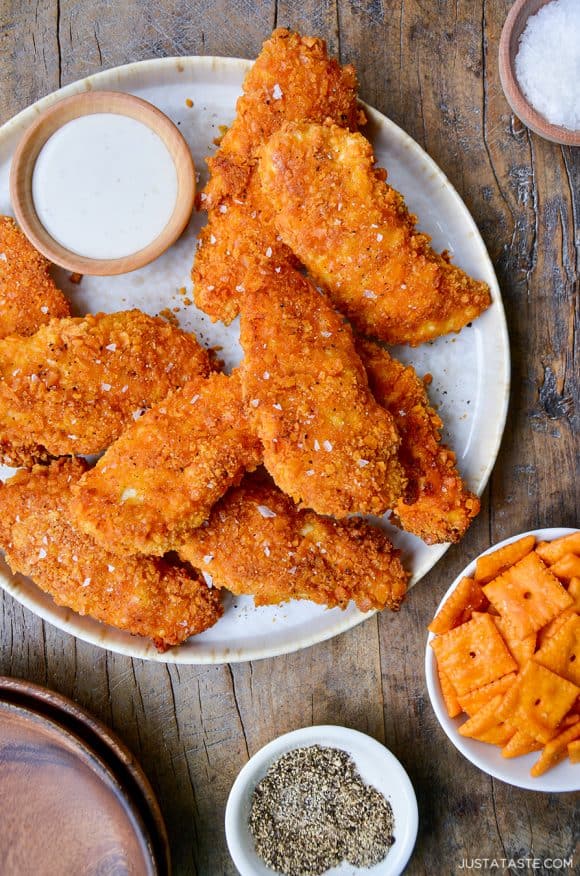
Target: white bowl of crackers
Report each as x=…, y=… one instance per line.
x=503, y=661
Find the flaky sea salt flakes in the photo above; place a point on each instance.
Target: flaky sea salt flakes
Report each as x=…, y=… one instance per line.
x=548, y=62
x=265, y=511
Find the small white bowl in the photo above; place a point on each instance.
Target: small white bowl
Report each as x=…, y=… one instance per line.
x=377, y=767
x=514, y=771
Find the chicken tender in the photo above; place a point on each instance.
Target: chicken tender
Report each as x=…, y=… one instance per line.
x=258, y=543
x=327, y=443
x=28, y=295
x=292, y=79
x=437, y=505
x=356, y=237
x=161, y=478
x=75, y=385
x=145, y=596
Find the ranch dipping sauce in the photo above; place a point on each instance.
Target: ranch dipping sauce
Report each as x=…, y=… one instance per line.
x=104, y=185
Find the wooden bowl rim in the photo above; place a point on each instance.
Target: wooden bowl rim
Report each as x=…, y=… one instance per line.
x=519, y=14
x=92, y=103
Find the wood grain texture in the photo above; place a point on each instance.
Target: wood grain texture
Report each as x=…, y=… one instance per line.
x=432, y=67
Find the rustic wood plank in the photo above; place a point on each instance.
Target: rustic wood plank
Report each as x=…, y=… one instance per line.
x=433, y=69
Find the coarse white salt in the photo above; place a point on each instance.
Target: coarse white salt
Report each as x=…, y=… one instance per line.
x=277, y=92
x=106, y=387
x=265, y=511
x=111, y=347
x=128, y=493
x=208, y=558
x=44, y=309
x=208, y=578
x=548, y=62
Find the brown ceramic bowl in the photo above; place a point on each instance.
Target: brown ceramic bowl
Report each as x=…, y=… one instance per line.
x=82, y=776
x=53, y=118
x=508, y=49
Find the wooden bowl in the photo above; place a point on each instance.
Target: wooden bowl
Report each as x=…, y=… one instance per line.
x=46, y=125
x=92, y=743
x=508, y=49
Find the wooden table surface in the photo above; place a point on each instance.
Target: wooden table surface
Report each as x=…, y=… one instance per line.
x=431, y=67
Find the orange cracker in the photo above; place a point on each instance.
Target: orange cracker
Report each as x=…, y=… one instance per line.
x=552, y=628
x=561, y=653
x=498, y=735
x=473, y=654
x=457, y=608
x=552, y=551
x=492, y=565
x=528, y=595
x=574, y=751
x=449, y=695
x=538, y=701
x=519, y=744
x=555, y=750
x=520, y=649
x=566, y=568
x=474, y=701
x=483, y=720
x=574, y=591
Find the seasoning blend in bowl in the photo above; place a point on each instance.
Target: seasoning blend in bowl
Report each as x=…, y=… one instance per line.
x=321, y=798
x=539, y=65
x=102, y=183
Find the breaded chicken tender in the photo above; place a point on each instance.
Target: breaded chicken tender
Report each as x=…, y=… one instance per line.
x=437, y=505
x=292, y=79
x=356, y=237
x=145, y=596
x=75, y=385
x=28, y=295
x=159, y=480
x=257, y=542
x=327, y=443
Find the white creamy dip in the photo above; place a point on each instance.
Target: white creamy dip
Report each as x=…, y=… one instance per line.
x=104, y=185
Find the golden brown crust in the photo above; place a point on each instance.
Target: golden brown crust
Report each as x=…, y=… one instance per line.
x=327, y=443
x=292, y=79
x=257, y=542
x=143, y=595
x=159, y=480
x=77, y=383
x=29, y=297
x=356, y=237
x=437, y=505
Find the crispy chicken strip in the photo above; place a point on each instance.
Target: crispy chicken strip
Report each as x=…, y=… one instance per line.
x=257, y=542
x=327, y=443
x=292, y=79
x=145, y=596
x=356, y=237
x=161, y=478
x=28, y=295
x=437, y=505
x=77, y=383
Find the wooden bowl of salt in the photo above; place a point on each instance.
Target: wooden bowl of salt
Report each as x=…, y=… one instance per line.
x=540, y=42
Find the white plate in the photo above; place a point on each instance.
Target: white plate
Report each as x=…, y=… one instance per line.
x=377, y=767
x=470, y=370
x=516, y=770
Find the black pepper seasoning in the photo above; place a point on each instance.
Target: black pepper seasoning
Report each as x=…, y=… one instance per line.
x=312, y=811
